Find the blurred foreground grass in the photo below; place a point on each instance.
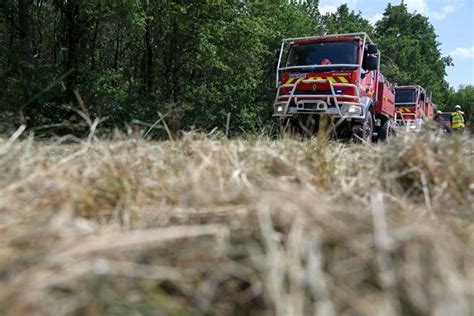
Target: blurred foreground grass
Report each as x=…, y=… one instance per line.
x=251, y=226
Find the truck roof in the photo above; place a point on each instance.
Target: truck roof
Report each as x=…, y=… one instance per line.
x=418, y=88
x=410, y=87
x=330, y=37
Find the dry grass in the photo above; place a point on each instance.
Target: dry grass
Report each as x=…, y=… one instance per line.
x=248, y=226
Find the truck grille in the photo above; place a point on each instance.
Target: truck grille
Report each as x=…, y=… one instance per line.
x=305, y=92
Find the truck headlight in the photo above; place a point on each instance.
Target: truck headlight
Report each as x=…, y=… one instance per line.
x=351, y=109
x=280, y=109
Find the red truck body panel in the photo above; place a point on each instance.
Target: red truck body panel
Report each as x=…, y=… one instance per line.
x=429, y=108
x=385, y=99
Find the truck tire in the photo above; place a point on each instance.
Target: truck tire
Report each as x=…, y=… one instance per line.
x=386, y=131
x=368, y=128
x=365, y=132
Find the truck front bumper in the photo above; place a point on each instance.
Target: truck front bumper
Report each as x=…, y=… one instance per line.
x=292, y=104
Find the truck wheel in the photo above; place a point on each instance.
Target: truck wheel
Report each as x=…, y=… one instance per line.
x=386, y=131
x=368, y=128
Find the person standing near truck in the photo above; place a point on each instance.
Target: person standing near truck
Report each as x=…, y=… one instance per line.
x=458, y=120
x=438, y=118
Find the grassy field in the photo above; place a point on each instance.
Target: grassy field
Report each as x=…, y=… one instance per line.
x=254, y=226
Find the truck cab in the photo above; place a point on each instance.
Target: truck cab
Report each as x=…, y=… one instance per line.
x=337, y=76
x=414, y=106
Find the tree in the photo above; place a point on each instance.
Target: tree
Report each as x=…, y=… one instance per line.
x=194, y=61
x=410, y=50
x=346, y=21
x=25, y=29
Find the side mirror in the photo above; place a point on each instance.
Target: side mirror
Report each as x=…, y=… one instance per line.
x=372, y=49
x=372, y=63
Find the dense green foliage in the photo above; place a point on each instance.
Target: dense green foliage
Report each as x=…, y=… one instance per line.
x=346, y=21
x=411, y=53
x=197, y=63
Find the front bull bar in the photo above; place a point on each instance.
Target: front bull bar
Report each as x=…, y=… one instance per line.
x=407, y=120
x=301, y=99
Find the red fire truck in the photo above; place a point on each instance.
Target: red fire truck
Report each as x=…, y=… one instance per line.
x=414, y=106
x=337, y=76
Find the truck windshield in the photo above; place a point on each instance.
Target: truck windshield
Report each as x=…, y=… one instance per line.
x=325, y=53
x=405, y=96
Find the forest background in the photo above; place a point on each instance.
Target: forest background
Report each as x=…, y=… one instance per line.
x=198, y=64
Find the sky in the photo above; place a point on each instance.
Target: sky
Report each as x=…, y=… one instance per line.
x=453, y=21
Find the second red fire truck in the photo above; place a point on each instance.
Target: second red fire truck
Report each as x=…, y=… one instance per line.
x=414, y=106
